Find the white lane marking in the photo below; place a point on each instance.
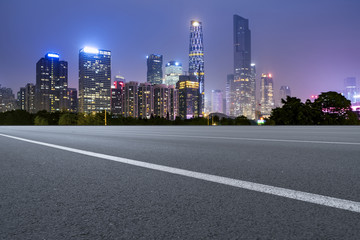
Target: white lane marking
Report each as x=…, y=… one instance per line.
x=245, y=139
x=277, y=191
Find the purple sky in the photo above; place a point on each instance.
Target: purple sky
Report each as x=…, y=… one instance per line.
x=310, y=45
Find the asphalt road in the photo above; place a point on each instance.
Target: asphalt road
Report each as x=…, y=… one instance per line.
x=51, y=193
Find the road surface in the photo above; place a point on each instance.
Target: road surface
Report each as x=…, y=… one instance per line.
x=179, y=182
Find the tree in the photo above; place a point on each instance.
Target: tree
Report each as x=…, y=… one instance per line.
x=68, y=119
x=40, y=120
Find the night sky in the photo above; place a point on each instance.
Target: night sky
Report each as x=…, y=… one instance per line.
x=310, y=45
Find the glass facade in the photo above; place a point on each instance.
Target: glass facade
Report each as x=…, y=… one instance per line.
x=173, y=70
x=146, y=100
x=188, y=87
x=266, y=95
x=94, y=80
x=154, y=69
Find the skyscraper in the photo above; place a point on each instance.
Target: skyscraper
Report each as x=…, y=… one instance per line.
x=196, y=60
x=243, y=93
x=173, y=102
x=217, y=101
x=188, y=87
x=283, y=93
x=146, y=100
x=173, y=70
x=161, y=101
x=51, y=83
x=154, y=69
x=266, y=94
x=73, y=100
x=94, y=80
x=131, y=107
x=7, y=99
x=117, y=98
x=228, y=91
x=350, y=90
x=26, y=98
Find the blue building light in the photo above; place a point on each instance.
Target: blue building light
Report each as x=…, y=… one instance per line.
x=91, y=50
x=52, y=55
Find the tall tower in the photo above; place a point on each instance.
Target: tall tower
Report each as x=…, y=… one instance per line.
x=196, y=60
x=51, y=83
x=117, y=98
x=154, y=69
x=94, y=80
x=266, y=94
x=173, y=70
x=350, y=90
x=243, y=86
x=188, y=87
x=217, y=101
x=283, y=93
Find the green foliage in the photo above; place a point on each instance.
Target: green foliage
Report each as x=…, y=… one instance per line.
x=330, y=108
x=16, y=117
x=40, y=120
x=68, y=119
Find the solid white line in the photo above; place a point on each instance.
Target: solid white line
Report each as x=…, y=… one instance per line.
x=244, y=139
x=277, y=191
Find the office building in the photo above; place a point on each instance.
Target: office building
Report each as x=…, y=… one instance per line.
x=146, y=100
x=351, y=90
x=154, y=69
x=72, y=100
x=173, y=102
x=217, y=101
x=173, y=70
x=7, y=99
x=283, y=93
x=188, y=87
x=242, y=92
x=117, y=98
x=26, y=98
x=196, y=61
x=266, y=95
x=94, y=80
x=161, y=101
x=51, y=83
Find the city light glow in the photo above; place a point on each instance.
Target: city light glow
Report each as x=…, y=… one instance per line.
x=196, y=24
x=91, y=50
x=53, y=55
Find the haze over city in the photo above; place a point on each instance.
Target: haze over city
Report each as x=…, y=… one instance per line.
x=310, y=46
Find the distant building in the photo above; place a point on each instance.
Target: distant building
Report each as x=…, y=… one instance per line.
x=94, y=80
x=242, y=86
x=117, y=98
x=196, y=61
x=283, y=93
x=119, y=78
x=266, y=94
x=73, y=100
x=26, y=98
x=188, y=87
x=217, y=101
x=7, y=99
x=51, y=83
x=161, y=101
x=154, y=69
x=131, y=107
x=173, y=102
x=351, y=90
x=228, y=91
x=146, y=100
x=173, y=70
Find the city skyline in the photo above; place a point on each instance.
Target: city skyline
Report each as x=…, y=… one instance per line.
x=279, y=34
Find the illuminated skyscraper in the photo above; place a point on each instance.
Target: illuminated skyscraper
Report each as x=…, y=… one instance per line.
x=7, y=99
x=196, y=60
x=51, y=83
x=94, y=80
x=146, y=100
x=351, y=90
x=131, y=107
x=283, y=93
x=173, y=70
x=216, y=101
x=161, y=101
x=117, y=98
x=188, y=87
x=154, y=69
x=73, y=100
x=243, y=93
x=266, y=95
x=26, y=98
x=173, y=102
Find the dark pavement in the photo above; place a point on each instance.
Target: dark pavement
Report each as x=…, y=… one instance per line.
x=47, y=193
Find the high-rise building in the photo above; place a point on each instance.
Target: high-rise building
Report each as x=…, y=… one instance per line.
x=228, y=91
x=243, y=95
x=351, y=89
x=173, y=102
x=26, y=98
x=217, y=101
x=161, y=101
x=119, y=78
x=283, y=93
x=131, y=107
x=188, y=87
x=146, y=100
x=173, y=70
x=196, y=61
x=266, y=94
x=51, y=83
x=73, y=100
x=117, y=98
x=94, y=80
x=7, y=99
x=154, y=69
